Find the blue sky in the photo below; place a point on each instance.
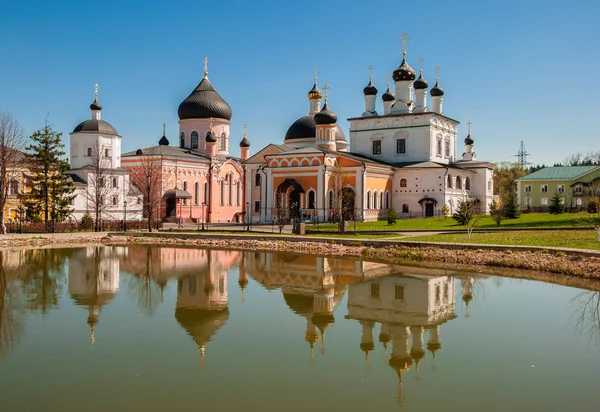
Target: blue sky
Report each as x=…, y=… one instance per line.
x=519, y=70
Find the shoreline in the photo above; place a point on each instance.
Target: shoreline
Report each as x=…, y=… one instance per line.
x=565, y=268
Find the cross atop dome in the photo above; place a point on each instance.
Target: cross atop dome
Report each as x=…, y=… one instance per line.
x=404, y=38
x=96, y=91
x=205, y=66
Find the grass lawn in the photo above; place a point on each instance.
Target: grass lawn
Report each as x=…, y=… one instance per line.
x=580, y=239
x=527, y=220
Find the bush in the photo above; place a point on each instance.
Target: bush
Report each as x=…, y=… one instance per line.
x=445, y=211
x=592, y=207
x=392, y=216
x=496, y=212
x=86, y=222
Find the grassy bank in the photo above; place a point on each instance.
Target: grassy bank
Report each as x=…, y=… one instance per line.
x=579, y=239
x=527, y=220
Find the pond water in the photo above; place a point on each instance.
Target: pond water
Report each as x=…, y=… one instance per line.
x=174, y=329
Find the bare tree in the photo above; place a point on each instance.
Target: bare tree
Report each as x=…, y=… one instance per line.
x=586, y=314
x=146, y=175
x=592, y=217
x=343, y=200
x=12, y=142
x=282, y=217
x=101, y=189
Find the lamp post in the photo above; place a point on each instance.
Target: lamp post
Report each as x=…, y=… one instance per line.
x=125, y=217
x=203, y=205
x=248, y=216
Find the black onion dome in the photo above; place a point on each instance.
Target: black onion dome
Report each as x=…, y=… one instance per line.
x=95, y=126
x=315, y=93
x=437, y=90
x=211, y=136
x=95, y=105
x=306, y=128
x=203, y=103
x=245, y=142
x=388, y=96
x=469, y=140
x=404, y=71
x=370, y=89
x=421, y=83
x=325, y=116
x=163, y=141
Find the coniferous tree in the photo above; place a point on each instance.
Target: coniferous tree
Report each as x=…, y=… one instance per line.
x=510, y=204
x=556, y=205
x=51, y=190
x=463, y=213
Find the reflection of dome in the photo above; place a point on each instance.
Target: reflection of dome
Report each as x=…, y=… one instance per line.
x=299, y=304
x=201, y=324
x=203, y=103
x=95, y=126
x=417, y=355
x=400, y=363
x=93, y=299
x=323, y=321
x=367, y=346
x=306, y=128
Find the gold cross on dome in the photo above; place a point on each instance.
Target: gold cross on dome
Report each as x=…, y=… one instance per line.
x=245, y=129
x=164, y=128
x=437, y=72
x=421, y=61
x=404, y=38
x=96, y=91
x=371, y=72
x=325, y=90
x=389, y=77
x=206, y=66
x=315, y=70
x=469, y=123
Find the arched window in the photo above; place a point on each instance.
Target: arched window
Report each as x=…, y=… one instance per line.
x=387, y=200
x=194, y=140
x=458, y=182
x=185, y=188
x=375, y=198
x=368, y=200
x=89, y=152
x=222, y=192
x=182, y=140
x=206, y=194
x=223, y=142
x=467, y=183
x=311, y=200
x=13, y=187
x=405, y=208
x=238, y=193
x=403, y=183
x=230, y=188
x=114, y=182
x=489, y=185
x=196, y=192
x=257, y=179
x=449, y=181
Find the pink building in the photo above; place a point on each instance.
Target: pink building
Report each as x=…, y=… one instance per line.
x=201, y=182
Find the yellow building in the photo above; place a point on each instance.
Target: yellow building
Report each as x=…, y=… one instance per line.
x=16, y=177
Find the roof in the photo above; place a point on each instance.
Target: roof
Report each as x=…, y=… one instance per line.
x=306, y=128
x=204, y=102
x=76, y=179
x=171, y=151
x=95, y=126
x=560, y=173
x=405, y=114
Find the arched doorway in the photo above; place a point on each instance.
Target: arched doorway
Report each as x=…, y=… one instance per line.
x=287, y=200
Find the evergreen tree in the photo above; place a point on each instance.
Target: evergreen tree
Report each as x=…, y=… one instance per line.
x=510, y=204
x=445, y=211
x=51, y=189
x=464, y=213
x=392, y=216
x=556, y=205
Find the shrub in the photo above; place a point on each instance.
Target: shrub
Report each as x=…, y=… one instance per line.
x=592, y=207
x=556, y=205
x=463, y=214
x=392, y=216
x=86, y=222
x=445, y=211
x=496, y=212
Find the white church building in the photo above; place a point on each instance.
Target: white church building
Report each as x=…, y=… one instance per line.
x=95, y=144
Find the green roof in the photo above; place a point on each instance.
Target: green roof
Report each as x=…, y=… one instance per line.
x=560, y=173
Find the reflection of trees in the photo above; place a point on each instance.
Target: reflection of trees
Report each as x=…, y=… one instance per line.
x=43, y=281
x=144, y=289
x=586, y=314
x=11, y=326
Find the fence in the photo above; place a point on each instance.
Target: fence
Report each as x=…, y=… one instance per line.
x=70, y=227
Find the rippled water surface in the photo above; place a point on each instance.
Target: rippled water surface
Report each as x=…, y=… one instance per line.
x=167, y=329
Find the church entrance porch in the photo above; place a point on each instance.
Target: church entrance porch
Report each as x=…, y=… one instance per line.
x=428, y=205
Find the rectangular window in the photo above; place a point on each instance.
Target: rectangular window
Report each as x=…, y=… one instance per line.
x=257, y=206
x=376, y=147
x=399, y=293
x=578, y=189
x=544, y=188
x=88, y=152
x=257, y=179
x=578, y=201
x=114, y=200
x=374, y=290
x=439, y=147
x=401, y=146
x=544, y=201
x=560, y=188
x=106, y=152
x=447, y=149
x=528, y=189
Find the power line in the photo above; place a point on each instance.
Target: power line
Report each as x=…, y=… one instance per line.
x=522, y=155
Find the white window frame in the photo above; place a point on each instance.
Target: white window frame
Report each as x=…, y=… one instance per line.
x=544, y=188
